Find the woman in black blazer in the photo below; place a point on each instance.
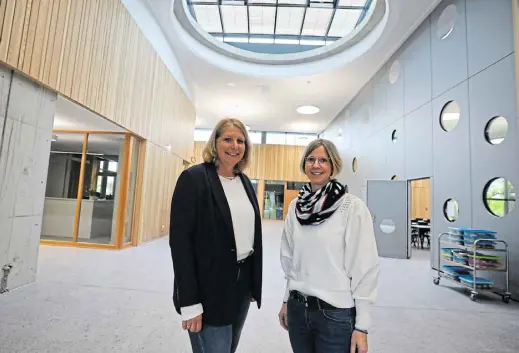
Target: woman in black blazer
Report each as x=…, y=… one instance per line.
x=215, y=241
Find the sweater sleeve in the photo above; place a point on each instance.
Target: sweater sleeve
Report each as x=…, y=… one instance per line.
x=361, y=261
x=287, y=250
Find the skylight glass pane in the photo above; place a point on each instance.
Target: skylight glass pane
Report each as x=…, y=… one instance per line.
x=236, y=39
x=292, y=2
x=261, y=40
x=344, y=22
x=262, y=1
x=352, y=3
x=262, y=19
x=287, y=41
x=208, y=18
x=204, y=1
x=289, y=20
x=317, y=21
x=316, y=42
x=235, y=19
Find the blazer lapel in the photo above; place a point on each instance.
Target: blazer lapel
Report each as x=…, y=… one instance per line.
x=219, y=195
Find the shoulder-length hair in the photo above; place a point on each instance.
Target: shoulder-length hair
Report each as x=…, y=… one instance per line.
x=210, y=154
x=331, y=151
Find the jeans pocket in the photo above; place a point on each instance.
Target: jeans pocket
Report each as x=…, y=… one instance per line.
x=339, y=316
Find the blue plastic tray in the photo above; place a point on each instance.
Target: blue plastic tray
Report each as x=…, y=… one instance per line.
x=479, y=280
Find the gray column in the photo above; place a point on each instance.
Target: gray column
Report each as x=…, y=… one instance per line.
x=26, y=119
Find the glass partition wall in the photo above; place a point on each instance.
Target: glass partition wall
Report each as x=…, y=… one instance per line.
x=91, y=187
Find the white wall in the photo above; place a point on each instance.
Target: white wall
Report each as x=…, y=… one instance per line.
x=474, y=66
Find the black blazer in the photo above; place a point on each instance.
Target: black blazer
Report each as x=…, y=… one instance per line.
x=203, y=248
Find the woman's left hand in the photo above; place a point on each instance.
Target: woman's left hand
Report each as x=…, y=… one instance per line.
x=359, y=341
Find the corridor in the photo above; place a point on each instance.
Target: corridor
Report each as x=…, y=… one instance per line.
x=88, y=300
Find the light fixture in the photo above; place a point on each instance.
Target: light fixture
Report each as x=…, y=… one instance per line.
x=230, y=84
x=168, y=147
x=308, y=110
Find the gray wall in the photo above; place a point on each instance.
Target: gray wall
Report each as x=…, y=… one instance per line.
x=26, y=119
x=473, y=66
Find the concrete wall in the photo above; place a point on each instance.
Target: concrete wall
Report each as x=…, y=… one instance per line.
x=474, y=66
x=26, y=119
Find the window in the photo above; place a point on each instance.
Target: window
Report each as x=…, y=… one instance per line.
x=450, y=116
x=499, y=197
x=276, y=138
x=288, y=138
x=202, y=135
x=288, y=22
x=255, y=137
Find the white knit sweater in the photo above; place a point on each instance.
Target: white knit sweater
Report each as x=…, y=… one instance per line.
x=336, y=261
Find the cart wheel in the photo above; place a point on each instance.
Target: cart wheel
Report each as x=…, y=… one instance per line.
x=436, y=281
x=506, y=299
x=473, y=297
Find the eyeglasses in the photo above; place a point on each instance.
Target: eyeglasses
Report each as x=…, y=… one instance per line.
x=321, y=161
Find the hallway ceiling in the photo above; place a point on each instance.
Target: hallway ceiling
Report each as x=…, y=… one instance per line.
x=266, y=97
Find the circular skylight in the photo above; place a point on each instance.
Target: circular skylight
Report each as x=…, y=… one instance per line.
x=279, y=26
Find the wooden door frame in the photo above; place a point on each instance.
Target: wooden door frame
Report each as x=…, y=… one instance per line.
x=123, y=193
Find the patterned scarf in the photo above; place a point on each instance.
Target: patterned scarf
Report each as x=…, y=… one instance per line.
x=313, y=208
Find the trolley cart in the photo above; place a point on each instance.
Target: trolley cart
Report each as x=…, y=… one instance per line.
x=471, y=281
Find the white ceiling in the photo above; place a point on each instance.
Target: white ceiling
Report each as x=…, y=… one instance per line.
x=72, y=116
x=267, y=100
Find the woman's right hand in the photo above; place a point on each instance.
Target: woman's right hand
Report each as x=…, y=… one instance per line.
x=283, y=316
x=193, y=325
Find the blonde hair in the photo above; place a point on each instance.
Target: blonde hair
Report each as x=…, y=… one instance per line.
x=210, y=153
x=331, y=151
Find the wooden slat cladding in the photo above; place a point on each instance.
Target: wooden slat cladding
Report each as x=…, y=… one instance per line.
x=269, y=162
x=160, y=176
x=92, y=52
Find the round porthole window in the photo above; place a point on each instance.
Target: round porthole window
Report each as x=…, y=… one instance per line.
x=387, y=226
x=355, y=165
x=496, y=130
x=499, y=197
x=451, y=210
x=394, y=72
x=394, y=136
x=447, y=21
x=450, y=116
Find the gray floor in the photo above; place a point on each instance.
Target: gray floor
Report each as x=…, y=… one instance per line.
x=106, y=301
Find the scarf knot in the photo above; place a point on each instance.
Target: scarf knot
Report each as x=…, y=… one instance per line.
x=314, y=208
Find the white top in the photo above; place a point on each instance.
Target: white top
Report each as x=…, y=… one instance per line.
x=243, y=221
x=336, y=261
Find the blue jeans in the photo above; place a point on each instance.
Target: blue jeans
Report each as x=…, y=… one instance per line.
x=319, y=331
x=225, y=339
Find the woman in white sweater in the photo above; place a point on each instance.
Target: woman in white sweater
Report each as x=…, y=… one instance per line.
x=330, y=259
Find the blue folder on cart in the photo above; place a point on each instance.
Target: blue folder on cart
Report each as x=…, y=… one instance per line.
x=479, y=280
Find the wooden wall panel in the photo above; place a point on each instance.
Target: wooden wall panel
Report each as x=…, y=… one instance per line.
x=160, y=176
x=421, y=199
x=269, y=162
x=92, y=52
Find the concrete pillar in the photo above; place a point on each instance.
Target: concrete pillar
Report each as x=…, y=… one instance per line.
x=26, y=120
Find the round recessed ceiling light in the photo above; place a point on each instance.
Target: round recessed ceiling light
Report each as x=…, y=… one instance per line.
x=231, y=84
x=308, y=110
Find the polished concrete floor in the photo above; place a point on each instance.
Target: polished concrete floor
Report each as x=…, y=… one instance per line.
x=105, y=301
